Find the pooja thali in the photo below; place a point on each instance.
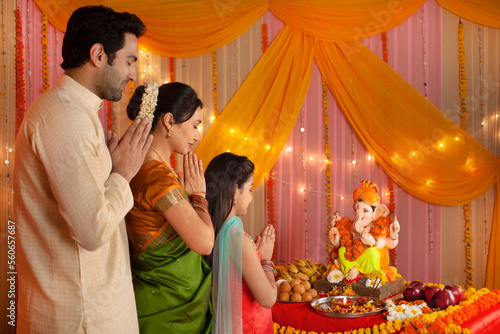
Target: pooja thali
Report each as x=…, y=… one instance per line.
x=348, y=306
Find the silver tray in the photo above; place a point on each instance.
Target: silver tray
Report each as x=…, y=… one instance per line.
x=322, y=305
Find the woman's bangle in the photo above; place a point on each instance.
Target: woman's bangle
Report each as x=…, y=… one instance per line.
x=394, y=238
x=376, y=243
x=198, y=193
x=269, y=268
x=268, y=262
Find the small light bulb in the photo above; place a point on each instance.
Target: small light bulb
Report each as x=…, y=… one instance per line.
x=246, y=138
x=310, y=158
x=341, y=197
x=456, y=138
x=369, y=157
x=354, y=162
x=232, y=130
x=302, y=129
x=268, y=147
x=440, y=144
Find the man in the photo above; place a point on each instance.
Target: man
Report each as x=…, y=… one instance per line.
x=71, y=188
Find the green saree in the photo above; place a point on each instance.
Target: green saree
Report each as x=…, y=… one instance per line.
x=172, y=287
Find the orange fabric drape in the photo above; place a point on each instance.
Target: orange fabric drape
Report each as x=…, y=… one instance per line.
x=259, y=118
x=400, y=121
x=174, y=28
x=343, y=20
x=403, y=130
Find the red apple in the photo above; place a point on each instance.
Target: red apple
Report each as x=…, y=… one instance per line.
x=457, y=292
x=412, y=293
x=443, y=298
x=416, y=283
x=428, y=292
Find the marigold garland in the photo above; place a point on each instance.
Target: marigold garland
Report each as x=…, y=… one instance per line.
x=354, y=248
x=131, y=89
x=109, y=115
x=464, y=116
x=265, y=42
x=392, y=209
x=385, y=52
x=328, y=174
x=20, y=91
x=215, y=94
x=45, y=54
x=439, y=322
x=171, y=68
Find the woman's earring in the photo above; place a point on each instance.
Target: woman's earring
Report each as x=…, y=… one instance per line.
x=169, y=133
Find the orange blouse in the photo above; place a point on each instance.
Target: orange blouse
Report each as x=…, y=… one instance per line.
x=155, y=189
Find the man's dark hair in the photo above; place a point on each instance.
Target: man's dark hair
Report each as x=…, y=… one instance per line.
x=97, y=24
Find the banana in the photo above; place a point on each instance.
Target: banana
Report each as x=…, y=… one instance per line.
x=285, y=274
x=278, y=270
x=308, y=271
x=310, y=264
x=313, y=279
x=321, y=267
x=291, y=268
x=301, y=276
x=299, y=263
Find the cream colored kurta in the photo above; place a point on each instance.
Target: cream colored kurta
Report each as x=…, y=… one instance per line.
x=72, y=251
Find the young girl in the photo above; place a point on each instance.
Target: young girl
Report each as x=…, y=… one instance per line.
x=168, y=233
x=244, y=288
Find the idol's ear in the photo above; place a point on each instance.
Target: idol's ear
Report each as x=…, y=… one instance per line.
x=380, y=211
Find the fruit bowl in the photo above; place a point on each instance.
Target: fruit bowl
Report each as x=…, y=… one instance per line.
x=348, y=306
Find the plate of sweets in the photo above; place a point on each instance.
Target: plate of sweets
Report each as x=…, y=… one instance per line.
x=348, y=306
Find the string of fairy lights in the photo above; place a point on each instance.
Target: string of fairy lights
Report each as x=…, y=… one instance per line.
x=149, y=69
x=425, y=74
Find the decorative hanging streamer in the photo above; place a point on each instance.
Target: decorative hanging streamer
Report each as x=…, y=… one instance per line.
x=481, y=97
x=214, y=84
x=270, y=177
x=390, y=183
x=20, y=91
x=171, y=68
x=464, y=115
x=328, y=173
x=303, y=190
x=28, y=38
x=45, y=54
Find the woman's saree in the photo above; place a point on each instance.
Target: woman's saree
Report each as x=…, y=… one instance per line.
x=172, y=283
x=172, y=289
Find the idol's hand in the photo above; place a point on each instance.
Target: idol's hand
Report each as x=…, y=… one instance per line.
x=334, y=236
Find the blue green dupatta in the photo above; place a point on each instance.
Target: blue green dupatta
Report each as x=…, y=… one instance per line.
x=227, y=269
x=172, y=287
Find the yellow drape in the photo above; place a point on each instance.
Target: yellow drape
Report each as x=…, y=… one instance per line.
x=262, y=113
x=393, y=120
x=485, y=12
x=403, y=130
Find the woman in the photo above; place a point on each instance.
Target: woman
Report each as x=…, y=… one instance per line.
x=244, y=288
x=168, y=234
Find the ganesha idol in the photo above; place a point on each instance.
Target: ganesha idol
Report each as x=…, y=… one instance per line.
x=361, y=247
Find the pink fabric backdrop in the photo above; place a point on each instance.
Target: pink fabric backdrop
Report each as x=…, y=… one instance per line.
x=301, y=217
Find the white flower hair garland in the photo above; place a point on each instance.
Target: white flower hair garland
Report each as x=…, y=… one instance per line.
x=149, y=100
